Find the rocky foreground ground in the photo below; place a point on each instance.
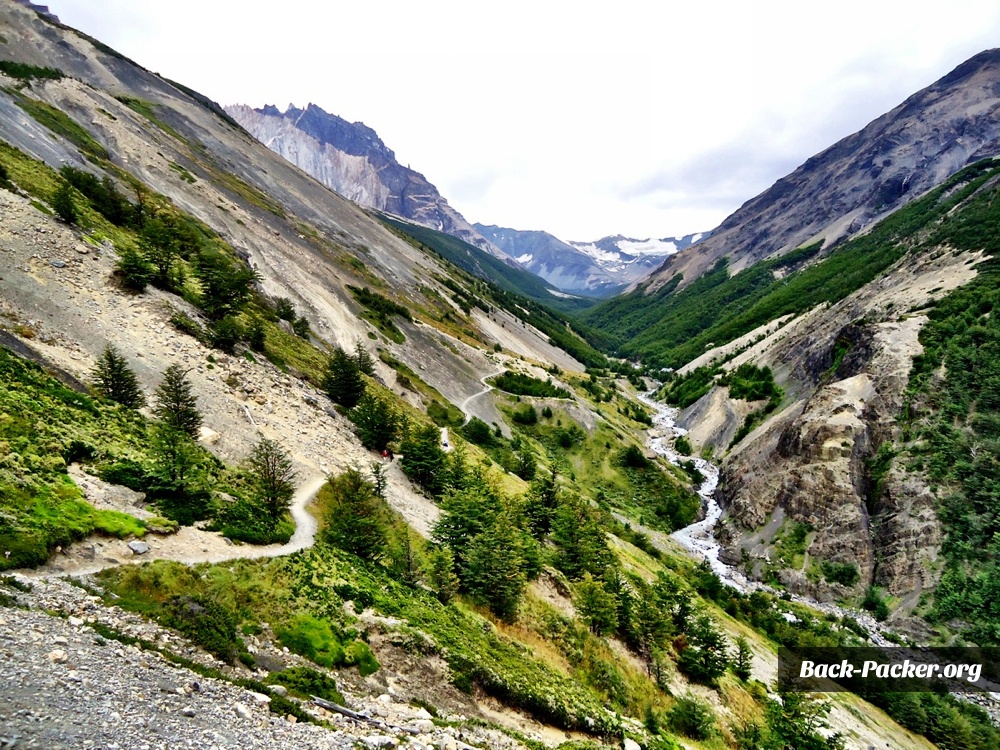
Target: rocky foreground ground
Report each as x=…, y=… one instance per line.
x=64, y=685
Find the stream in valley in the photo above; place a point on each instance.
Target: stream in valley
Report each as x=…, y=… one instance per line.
x=699, y=538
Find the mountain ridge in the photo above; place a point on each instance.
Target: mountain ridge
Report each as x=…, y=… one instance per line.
x=351, y=159
x=840, y=191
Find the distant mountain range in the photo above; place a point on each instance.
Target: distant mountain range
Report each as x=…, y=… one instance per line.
x=595, y=269
x=351, y=159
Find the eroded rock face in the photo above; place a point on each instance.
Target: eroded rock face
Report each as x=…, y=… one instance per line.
x=811, y=464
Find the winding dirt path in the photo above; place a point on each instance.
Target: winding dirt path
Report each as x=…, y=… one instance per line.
x=464, y=406
x=189, y=545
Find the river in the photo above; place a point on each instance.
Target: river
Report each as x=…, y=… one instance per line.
x=699, y=538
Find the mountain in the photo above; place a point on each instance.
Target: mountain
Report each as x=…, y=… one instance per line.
x=353, y=160
x=841, y=191
x=405, y=499
x=598, y=269
x=832, y=346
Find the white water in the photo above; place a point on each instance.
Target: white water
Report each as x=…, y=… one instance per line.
x=699, y=537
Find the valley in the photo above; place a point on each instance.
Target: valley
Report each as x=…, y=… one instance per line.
x=293, y=455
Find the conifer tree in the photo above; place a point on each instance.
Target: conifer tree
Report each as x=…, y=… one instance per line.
x=343, y=382
x=114, y=379
x=441, y=573
x=272, y=475
x=365, y=362
x=377, y=421
x=356, y=519
x=176, y=405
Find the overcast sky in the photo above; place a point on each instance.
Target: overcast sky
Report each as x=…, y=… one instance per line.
x=652, y=118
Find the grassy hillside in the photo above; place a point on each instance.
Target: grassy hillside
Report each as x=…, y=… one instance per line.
x=521, y=293
x=481, y=264
x=670, y=328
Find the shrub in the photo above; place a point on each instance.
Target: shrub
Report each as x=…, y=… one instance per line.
x=206, y=622
x=62, y=203
x=358, y=654
x=844, y=573
x=478, y=432
x=634, y=457
x=524, y=385
x=312, y=638
x=526, y=415
x=226, y=334
x=133, y=270
x=305, y=682
x=692, y=718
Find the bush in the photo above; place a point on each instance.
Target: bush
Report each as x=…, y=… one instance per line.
x=634, y=457
x=692, y=718
x=312, y=638
x=127, y=473
x=526, y=415
x=524, y=385
x=226, y=334
x=843, y=573
x=305, y=682
x=683, y=446
x=62, y=203
x=478, y=432
x=208, y=623
x=875, y=603
x=359, y=655
x=133, y=270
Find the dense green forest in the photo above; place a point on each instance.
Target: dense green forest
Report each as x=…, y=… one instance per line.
x=670, y=328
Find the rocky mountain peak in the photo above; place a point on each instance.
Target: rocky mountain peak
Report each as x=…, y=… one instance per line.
x=351, y=159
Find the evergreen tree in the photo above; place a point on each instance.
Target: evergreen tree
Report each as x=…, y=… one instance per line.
x=581, y=545
x=494, y=567
x=178, y=488
x=542, y=501
x=175, y=456
x=423, y=460
x=62, y=203
x=377, y=421
x=272, y=476
x=226, y=285
x=597, y=607
x=114, y=379
x=343, y=382
x=743, y=660
x=133, y=269
x=441, y=573
x=705, y=658
x=404, y=559
x=365, y=362
x=175, y=403
x=356, y=519
x=159, y=249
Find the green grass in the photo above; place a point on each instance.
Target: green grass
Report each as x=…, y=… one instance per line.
x=61, y=124
x=27, y=72
x=44, y=425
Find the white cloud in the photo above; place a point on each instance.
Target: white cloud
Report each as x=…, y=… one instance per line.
x=635, y=117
